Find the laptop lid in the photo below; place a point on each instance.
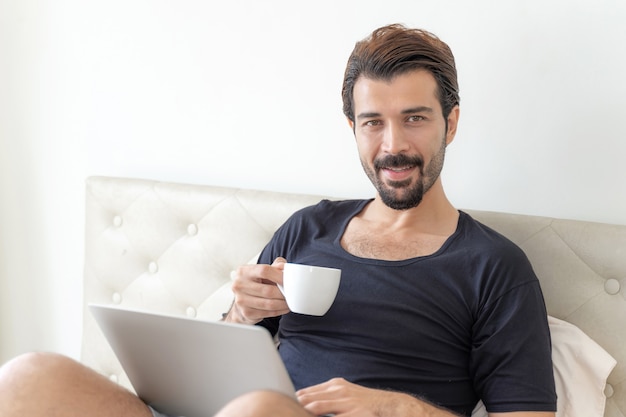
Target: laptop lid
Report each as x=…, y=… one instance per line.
x=190, y=367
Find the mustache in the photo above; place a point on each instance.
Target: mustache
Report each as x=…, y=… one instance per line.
x=397, y=161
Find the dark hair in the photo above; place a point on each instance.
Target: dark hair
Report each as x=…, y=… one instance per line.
x=393, y=50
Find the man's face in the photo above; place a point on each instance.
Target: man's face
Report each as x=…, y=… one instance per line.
x=401, y=135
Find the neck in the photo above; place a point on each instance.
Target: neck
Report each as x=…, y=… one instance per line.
x=380, y=232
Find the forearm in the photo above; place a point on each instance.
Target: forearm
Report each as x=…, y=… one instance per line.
x=410, y=406
x=405, y=405
x=340, y=397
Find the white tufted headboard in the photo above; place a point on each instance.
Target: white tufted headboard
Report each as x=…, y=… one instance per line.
x=171, y=248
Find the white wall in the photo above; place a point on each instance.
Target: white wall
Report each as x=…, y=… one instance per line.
x=246, y=93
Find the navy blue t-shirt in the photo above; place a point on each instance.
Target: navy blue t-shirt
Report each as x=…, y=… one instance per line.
x=465, y=323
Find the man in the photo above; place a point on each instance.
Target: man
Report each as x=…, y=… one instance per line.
x=434, y=311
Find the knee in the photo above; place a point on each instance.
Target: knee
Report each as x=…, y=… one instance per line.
x=33, y=366
x=35, y=383
x=263, y=404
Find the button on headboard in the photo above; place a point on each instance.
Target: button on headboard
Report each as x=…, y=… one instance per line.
x=171, y=248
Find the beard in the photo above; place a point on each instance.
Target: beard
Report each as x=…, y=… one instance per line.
x=406, y=194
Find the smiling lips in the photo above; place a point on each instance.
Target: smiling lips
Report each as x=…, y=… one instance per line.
x=398, y=167
x=398, y=173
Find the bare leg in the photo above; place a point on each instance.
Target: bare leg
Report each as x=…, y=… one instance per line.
x=38, y=384
x=263, y=404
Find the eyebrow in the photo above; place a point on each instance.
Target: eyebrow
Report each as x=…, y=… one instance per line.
x=412, y=110
x=418, y=109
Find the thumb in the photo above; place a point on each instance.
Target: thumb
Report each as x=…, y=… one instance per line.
x=279, y=262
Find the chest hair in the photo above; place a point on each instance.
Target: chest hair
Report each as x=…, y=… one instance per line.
x=384, y=245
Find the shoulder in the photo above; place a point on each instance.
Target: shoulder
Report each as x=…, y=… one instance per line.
x=312, y=229
x=497, y=264
x=325, y=218
x=483, y=239
x=501, y=272
x=329, y=209
x=335, y=206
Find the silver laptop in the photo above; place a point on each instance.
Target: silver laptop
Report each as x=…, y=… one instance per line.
x=189, y=367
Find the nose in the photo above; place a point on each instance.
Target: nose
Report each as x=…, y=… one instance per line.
x=395, y=140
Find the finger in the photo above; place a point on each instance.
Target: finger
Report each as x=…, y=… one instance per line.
x=253, y=315
x=343, y=407
x=256, y=295
x=247, y=315
x=324, y=386
x=323, y=408
x=255, y=305
x=277, y=275
x=259, y=273
x=279, y=263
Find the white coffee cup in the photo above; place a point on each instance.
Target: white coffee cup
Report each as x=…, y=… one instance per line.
x=309, y=289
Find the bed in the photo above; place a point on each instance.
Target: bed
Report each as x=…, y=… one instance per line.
x=172, y=248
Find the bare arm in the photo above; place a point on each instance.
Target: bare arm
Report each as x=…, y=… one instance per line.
x=342, y=398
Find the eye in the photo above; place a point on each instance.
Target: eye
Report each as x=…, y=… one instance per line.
x=372, y=123
x=416, y=118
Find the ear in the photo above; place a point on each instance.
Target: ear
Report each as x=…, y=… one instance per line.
x=453, y=122
x=351, y=124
